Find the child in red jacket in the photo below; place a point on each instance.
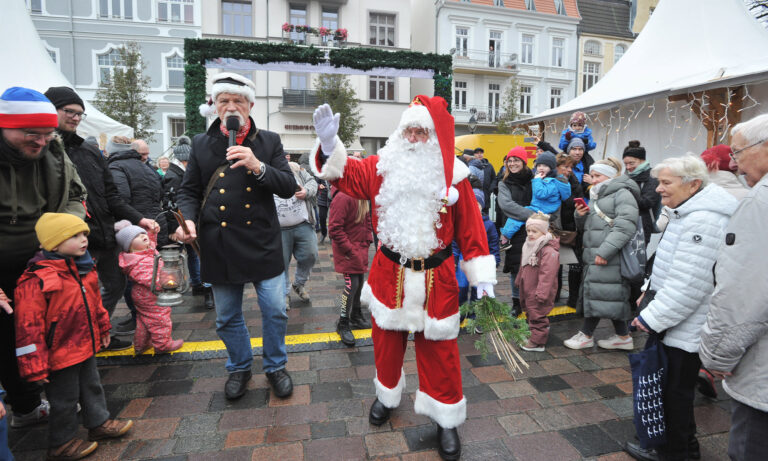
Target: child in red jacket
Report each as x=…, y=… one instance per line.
x=537, y=278
x=60, y=325
x=153, y=322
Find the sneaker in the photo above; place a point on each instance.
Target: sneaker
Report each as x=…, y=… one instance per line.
x=505, y=246
x=112, y=428
x=706, y=383
x=530, y=347
x=38, y=415
x=125, y=327
x=74, y=449
x=117, y=344
x=287, y=302
x=616, y=342
x=301, y=292
x=579, y=341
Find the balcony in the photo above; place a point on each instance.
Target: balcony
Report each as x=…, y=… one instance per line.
x=300, y=101
x=483, y=114
x=484, y=62
x=307, y=39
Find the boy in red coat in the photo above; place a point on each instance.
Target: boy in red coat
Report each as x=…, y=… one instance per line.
x=421, y=201
x=60, y=325
x=537, y=278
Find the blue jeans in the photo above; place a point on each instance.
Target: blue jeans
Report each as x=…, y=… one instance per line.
x=299, y=241
x=193, y=264
x=5, y=452
x=515, y=290
x=231, y=327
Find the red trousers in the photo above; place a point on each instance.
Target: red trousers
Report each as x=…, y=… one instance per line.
x=538, y=322
x=153, y=322
x=440, y=394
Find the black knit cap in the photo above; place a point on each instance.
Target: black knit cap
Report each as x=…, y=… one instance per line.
x=62, y=96
x=634, y=149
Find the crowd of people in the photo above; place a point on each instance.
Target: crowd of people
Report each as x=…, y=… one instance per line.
x=80, y=228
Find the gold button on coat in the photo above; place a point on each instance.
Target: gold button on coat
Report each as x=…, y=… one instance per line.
x=221, y=191
x=221, y=175
x=222, y=208
x=249, y=172
x=248, y=189
x=247, y=205
x=223, y=224
x=248, y=222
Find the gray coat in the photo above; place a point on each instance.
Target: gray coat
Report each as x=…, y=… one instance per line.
x=604, y=293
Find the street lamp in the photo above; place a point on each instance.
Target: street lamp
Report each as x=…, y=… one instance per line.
x=472, y=125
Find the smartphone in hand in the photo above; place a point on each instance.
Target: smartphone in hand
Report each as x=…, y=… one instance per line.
x=578, y=201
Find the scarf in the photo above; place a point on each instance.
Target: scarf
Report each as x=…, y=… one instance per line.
x=242, y=132
x=594, y=191
x=645, y=166
x=83, y=263
x=521, y=178
x=531, y=250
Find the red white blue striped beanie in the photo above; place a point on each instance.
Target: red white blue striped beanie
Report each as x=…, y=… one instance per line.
x=25, y=108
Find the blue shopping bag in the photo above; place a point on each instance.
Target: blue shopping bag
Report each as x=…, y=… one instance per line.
x=649, y=376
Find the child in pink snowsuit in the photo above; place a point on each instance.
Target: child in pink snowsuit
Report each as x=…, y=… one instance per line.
x=537, y=278
x=153, y=322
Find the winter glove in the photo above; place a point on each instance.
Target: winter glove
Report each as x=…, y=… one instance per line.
x=486, y=287
x=326, y=127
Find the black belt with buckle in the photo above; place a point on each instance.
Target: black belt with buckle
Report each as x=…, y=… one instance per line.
x=419, y=264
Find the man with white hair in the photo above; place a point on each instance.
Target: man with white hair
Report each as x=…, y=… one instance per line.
x=734, y=341
x=227, y=191
x=422, y=203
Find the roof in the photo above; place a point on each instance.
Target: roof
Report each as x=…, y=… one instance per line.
x=605, y=17
x=542, y=6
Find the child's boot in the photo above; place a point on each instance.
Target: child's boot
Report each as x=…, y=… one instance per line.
x=112, y=428
x=74, y=449
x=173, y=345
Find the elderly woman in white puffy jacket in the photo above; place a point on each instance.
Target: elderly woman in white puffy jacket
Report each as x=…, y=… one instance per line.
x=681, y=284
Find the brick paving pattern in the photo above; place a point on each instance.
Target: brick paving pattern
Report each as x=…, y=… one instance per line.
x=568, y=405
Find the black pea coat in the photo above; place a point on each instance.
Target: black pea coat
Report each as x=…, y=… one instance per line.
x=238, y=231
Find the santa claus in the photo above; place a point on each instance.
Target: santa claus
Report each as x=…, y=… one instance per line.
x=422, y=202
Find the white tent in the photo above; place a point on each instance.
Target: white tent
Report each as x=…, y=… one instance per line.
x=687, y=46
x=26, y=63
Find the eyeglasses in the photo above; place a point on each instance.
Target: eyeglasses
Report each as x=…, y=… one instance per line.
x=735, y=154
x=28, y=136
x=73, y=114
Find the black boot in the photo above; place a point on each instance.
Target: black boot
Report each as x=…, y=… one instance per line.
x=379, y=414
x=694, y=452
x=342, y=328
x=574, y=283
x=357, y=320
x=517, y=309
x=209, y=304
x=448, y=443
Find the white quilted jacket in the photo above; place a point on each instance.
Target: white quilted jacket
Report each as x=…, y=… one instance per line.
x=683, y=274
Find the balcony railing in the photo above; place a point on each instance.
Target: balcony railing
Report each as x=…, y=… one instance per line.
x=483, y=114
x=300, y=98
x=485, y=59
x=307, y=39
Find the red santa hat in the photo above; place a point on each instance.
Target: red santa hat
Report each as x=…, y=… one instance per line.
x=432, y=114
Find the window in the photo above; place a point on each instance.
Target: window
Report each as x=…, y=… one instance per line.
x=530, y=5
x=462, y=37
x=592, y=48
x=527, y=49
x=560, y=7
x=555, y=97
x=52, y=54
x=236, y=18
x=177, y=126
x=460, y=95
x=178, y=11
x=35, y=6
x=330, y=18
x=122, y=9
x=382, y=29
x=498, y=2
x=591, y=74
x=558, y=50
x=618, y=52
x=525, y=99
x=494, y=49
x=175, y=65
x=494, y=99
x=297, y=81
x=298, y=18
x=381, y=88
x=107, y=62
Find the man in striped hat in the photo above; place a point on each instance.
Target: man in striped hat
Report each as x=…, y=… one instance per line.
x=35, y=177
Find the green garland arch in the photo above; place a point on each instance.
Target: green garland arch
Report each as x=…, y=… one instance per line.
x=198, y=50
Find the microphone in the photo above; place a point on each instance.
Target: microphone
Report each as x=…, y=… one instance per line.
x=233, y=124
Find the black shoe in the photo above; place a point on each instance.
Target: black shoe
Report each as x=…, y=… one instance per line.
x=379, y=414
x=506, y=246
x=517, y=308
x=342, y=328
x=281, y=383
x=125, y=327
x=116, y=344
x=694, y=452
x=448, y=443
x=358, y=321
x=236, y=385
x=198, y=290
x=209, y=304
x=638, y=452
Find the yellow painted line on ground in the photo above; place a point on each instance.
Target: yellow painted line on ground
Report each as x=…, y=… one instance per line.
x=291, y=340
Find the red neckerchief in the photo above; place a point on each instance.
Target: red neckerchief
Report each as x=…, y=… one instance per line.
x=241, y=133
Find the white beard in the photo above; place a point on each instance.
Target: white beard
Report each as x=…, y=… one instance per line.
x=409, y=199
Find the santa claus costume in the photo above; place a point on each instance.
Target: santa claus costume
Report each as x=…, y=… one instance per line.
x=421, y=202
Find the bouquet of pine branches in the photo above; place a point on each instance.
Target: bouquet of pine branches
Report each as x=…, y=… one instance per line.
x=500, y=328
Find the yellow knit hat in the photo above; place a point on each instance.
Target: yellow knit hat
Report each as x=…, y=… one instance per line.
x=54, y=228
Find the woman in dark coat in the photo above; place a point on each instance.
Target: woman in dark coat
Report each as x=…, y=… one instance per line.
x=514, y=196
x=349, y=226
x=639, y=170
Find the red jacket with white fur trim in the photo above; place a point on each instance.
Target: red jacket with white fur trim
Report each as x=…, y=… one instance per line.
x=400, y=298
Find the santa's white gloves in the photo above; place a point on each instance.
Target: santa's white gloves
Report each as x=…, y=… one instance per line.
x=326, y=127
x=486, y=287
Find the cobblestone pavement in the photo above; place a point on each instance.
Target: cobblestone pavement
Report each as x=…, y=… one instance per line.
x=568, y=405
